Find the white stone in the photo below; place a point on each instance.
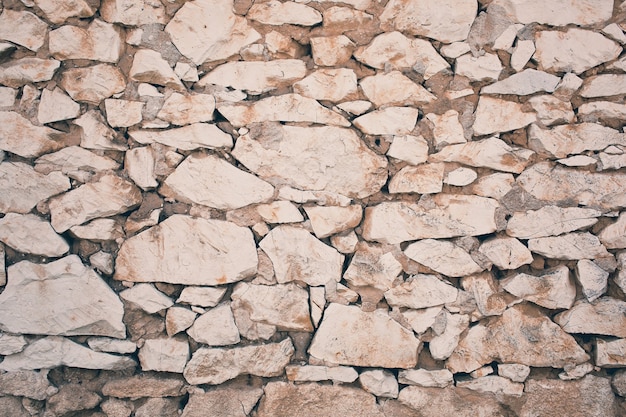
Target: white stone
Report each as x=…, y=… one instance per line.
x=551, y=110
x=592, y=279
x=444, y=216
x=57, y=12
x=553, y=289
x=421, y=291
x=106, y=344
x=394, y=89
x=186, y=72
x=412, y=149
x=610, y=354
x=331, y=50
x=388, y=121
x=214, y=252
x=440, y=378
x=550, y=221
x=367, y=344
x=96, y=134
x=54, y=351
x=19, y=72
x=139, y=164
x=523, y=51
x=601, y=111
x=277, y=13
x=146, y=297
x=505, y=40
x=216, y=327
x=494, y=384
x=442, y=256
x=102, y=262
x=148, y=90
x=455, y=49
x=256, y=77
x=285, y=108
x=328, y=84
x=614, y=235
x=447, y=129
x=22, y=188
x=613, y=30
x=100, y=41
x=181, y=110
x=55, y=105
x=312, y=373
x=425, y=18
x=575, y=50
x=495, y=115
x=326, y=158
x=41, y=139
x=10, y=344
x=557, y=12
x=372, y=266
x=604, y=85
x=442, y=345
x=23, y=28
x=604, y=316
x=187, y=138
x=329, y=220
x=133, y=12
x=280, y=212
x=36, y=292
x=380, y=383
x=571, y=246
x=578, y=161
x=312, y=197
x=355, y=107
x=485, y=291
x=164, y=355
x=93, y=84
x=338, y=17
x=506, y=252
x=345, y=243
x=150, y=67
x=523, y=83
x=421, y=320
x=205, y=30
x=7, y=96
x=460, y=177
x=514, y=371
x=98, y=230
x=422, y=179
x=483, y=68
x=399, y=52
x=28, y=233
x=494, y=186
x=178, y=319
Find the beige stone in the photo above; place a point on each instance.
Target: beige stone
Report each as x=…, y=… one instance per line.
x=523, y=51
x=100, y=41
x=188, y=138
x=571, y=246
x=41, y=139
x=610, y=354
x=506, y=253
x=412, y=149
x=58, y=11
x=95, y=134
x=327, y=221
x=28, y=233
x=23, y=28
x=493, y=186
x=280, y=212
x=495, y=115
x=98, y=230
x=123, y=113
x=485, y=290
x=311, y=373
x=524, y=83
x=146, y=297
x=178, y=319
x=331, y=50
x=93, y=84
x=421, y=291
x=494, y=384
x=551, y=110
x=27, y=70
x=443, y=256
x=553, y=289
x=614, y=235
x=226, y=401
x=164, y=355
x=439, y=378
x=460, y=177
x=150, y=67
x=564, y=140
x=394, y=89
x=550, y=221
x=328, y=84
x=514, y=371
x=422, y=179
x=442, y=345
x=449, y=401
x=107, y=344
x=216, y=327
x=483, y=68
x=133, y=12
x=276, y=13
x=592, y=279
x=603, y=316
x=373, y=266
x=557, y=12
x=55, y=105
x=140, y=163
x=180, y=109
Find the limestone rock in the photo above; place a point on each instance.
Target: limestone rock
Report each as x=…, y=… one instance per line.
x=214, y=252
x=188, y=138
x=310, y=373
x=29, y=384
x=178, y=319
x=485, y=291
x=55, y=351
x=97, y=135
x=12, y=407
x=592, y=279
x=214, y=366
x=10, y=344
x=494, y=384
x=495, y=115
x=123, y=113
x=327, y=221
x=106, y=344
x=557, y=13
x=28, y=233
x=150, y=67
x=280, y=212
x=323, y=158
x=201, y=296
x=564, y=140
x=55, y=105
x=205, y=330
x=394, y=89
x=213, y=182
x=575, y=50
x=27, y=70
x=146, y=297
x=372, y=266
x=284, y=108
x=57, y=12
x=483, y=68
x=440, y=378
x=486, y=153
x=602, y=316
x=422, y=319
x=205, y=30
x=506, y=253
x=447, y=129
x=35, y=292
x=23, y=28
x=71, y=397
x=442, y=345
x=521, y=335
x=421, y=291
x=158, y=407
x=493, y=186
x=424, y=18
x=226, y=401
x=610, y=354
x=298, y=256
x=93, y=84
x=551, y=110
x=164, y=355
x=601, y=111
x=180, y=109
x=98, y=230
x=550, y=221
x=7, y=96
x=139, y=164
x=412, y=149
x=13, y=128
x=604, y=85
x=449, y=401
x=380, y=383
x=283, y=306
x=523, y=83
x=144, y=385
x=522, y=53
x=331, y=50
x=22, y=188
x=514, y=371
x=614, y=235
x=101, y=41
x=571, y=246
x=401, y=53
x=327, y=84
x=442, y=256
x=283, y=399
x=422, y=179
x=445, y=216
x=554, y=289
x=256, y=77
x=133, y=12
x=277, y=13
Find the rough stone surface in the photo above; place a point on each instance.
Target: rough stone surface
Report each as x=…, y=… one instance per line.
x=553, y=289
x=602, y=316
x=204, y=329
x=30, y=234
x=41, y=139
x=93, y=84
x=227, y=401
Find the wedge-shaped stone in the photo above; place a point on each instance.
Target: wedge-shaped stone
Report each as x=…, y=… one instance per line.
x=575, y=50
x=604, y=85
x=180, y=109
x=482, y=68
x=443, y=344
x=605, y=112
x=10, y=344
x=213, y=182
x=214, y=366
x=276, y=13
x=311, y=373
x=421, y=291
x=556, y=184
x=331, y=50
x=328, y=220
x=552, y=111
x=298, y=256
x=388, y=121
x=394, y=89
x=425, y=18
x=186, y=250
x=28, y=233
x=506, y=252
x=256, y=77
x=100, y=41
x=164, y=355
x=144, y=385
x=443, y=256
x=93, y=84
x=96, y=134
x=106, y=344
x=146, y=297
x=521, y=335
x=283, y=108
x=446, y=215
x=558, y=12
x=27, y=70
x=614, y=235
x=610, y=354
x=54, y=351
x=328, y=84
x=324, y=158
x=133, y=12
x=23, y=28
x=494, y=115
x=58, y=11
x=564, y=140
x=494, y=384
x=447, y=129
x=187, y=138
x=21, y=137
x=550, y=221
x=207, y=30
x=412, y=149
x=37, y=292
x=22, y=188
x=55, y=105
x=225, y=401
x=491, y=153
x=367, y=343
x=439, y=378
x=450, y=401
x=123, y=113
x=372, y=266
x=422, y=179
x=108, y=196
x=592, y=279
x=606, y=316
x=485, y=291
x=523, y=83
x=283, y=306
x=150, y=67
x=571, y=246
x=380, y=383
x=553, y=289
x=400, y=53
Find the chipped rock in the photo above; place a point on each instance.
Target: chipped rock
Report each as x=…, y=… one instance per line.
x=420, y=292
x=614, y=235
x=206, y=329
x=146, y=297
x=372, y=266
x=150, y=67
x=592, y=278
x=123, y=113
x=564, y=140
x=440, y=378
x=280, y=212
x=10, y=344
x=602, y=316
x=394, y=89
x=23, y=28
x=523, y=83
x=99, y=230
x=194, y=136
x=550, y=221
x=494, y=115
x=201, y=296
x=277, y=13
x=495, y=384
x=145, y=385
x=55, y=105
x=182, y=109
x=506, y=253
x=514, y=371
x=256, y=77
x=28, y=233
x=379, y=383
x=321, y=373
x=106, y=344
x=140, y=167
x=178, y=319
x=553, y=289
x=97, y=135
x=447, y=129
x=494, y=186
x=442, y=345
x=488, y=298
x=484, y=68
x=27, y=70
x=443, y=256
x=460, y=177
x=331, y=50
x=93, y=84
x=610, y=354
x=604, y=85
x=14, y=127
x=327, y=84
x=571, y=246
x=449, y=401
x=412, y=149
x=422, y=179
x=523, y=51
x=164, y=355
x=327, y=221
x=226, y=401
x=101, y=41
x=422, y=319
x=559, y=12
x=133, y=12
x=551, y=110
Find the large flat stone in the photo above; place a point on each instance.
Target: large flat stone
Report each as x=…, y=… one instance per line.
x=550, y=221
x=186, y=138
x=558, y=12
x=605, y=315
x=226, y=401
x=564, y=140
x=41, y=140
x=30, y=234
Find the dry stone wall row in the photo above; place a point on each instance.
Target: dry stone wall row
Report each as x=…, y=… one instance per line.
x=356, y=208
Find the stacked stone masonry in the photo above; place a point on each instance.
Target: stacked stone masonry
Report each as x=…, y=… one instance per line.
x=312, y=208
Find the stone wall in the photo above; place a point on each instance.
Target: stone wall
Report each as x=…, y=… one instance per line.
x=360, y=208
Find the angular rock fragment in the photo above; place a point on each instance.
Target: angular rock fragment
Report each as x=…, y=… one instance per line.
x=201, y=296
x=331, y=50
x=150, y=67
x=564, y=140
x=506, y=253
x=188, y=138
x=27, y=70
x=164, y=355
x=484, y=289
x=442, y=345
x=550, y=221
x=553, y=289
x=178, y=319
x=96, y=134
x=71, y=398
x=327, y=221
x=23, y=28
x=604, y=85
x=379, y=383
x=28, y=233
x=205, y=328
x=494, y=115
x=551, y=110
x=388, y=121
x=225, y=401
x=494, y=384
x=422, y=179
x=14, y=129
x=372, y=266
x=105, y=344
x=614, y=235
x=420, y=292
x=29, y=384
x=447, y=129
x=443, y=256
x=440, y=378
x=312, y=373
x=422, y=319
x=214, y=366
x=10, y=344
x=604, y=112
x=144, y=385
x=93, y=84
x=412, y=149
x=559, y=12
x=215, y=252
x=133, y=12
x=139, y=164
x=592, y=279
x=366, y=344
x=524, y=50
x=523, y=83
x=450, y=401
x=146, y=297
x=328, y=84
x=181, y=110
x=394, y=89
x=605, y=315
x=101, y=41
x=610, y=354
x=483, y=68
x=123, y=113
x=98, y=230
x=571, y=246
x=277, y=13
x=55, y=105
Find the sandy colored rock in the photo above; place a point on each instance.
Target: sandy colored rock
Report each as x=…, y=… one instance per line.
x=494, y=384
x=150, y=67
x=27, y=70
x=447, y=129
x=276, y=13
x=443, y=256
x=550, y=221
x=96, y=134
x=133, y=12
x=372, y=266
x=13, y=128
x=460, y=177
x=604, y=85
x=98, y=230
x=164, y=355
x=551, y=110
x=226, y=401
x=379, y=383
x=449, y=401
x=93, y=84
x=139, y=164
x=602, y=316
x=193, y=136
x=553, y=289
x=514, y=371
x=523, y=51
x=331, y=50
x=610, y=354
x=310, y=373
x=394, y=89
x=422, y=319
x=216, y=327
x=523, y=83
x=201, y=296
x=10, y=344
x=571, y=246
x=123, y=113
x=412, y=149
x=483, y=68
x=180, y=109
x=221, y=252
x=55, y=105
x=564, y=140
x=106, y=344
x=614, y=235
x=442, y=345
x=100, y=41
x=178, y=319
x=58, y=11
x=146, y=297
x=495, y=115
x=29, y=384
x=421, y=291
x=327, y=221
x=422, y=179
x=328, y=84
x=440, y=378
x=592, y=279
x=28, y=233
x=145, y=385
x=506, y=253
x=23, y=28
x=557, y=13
